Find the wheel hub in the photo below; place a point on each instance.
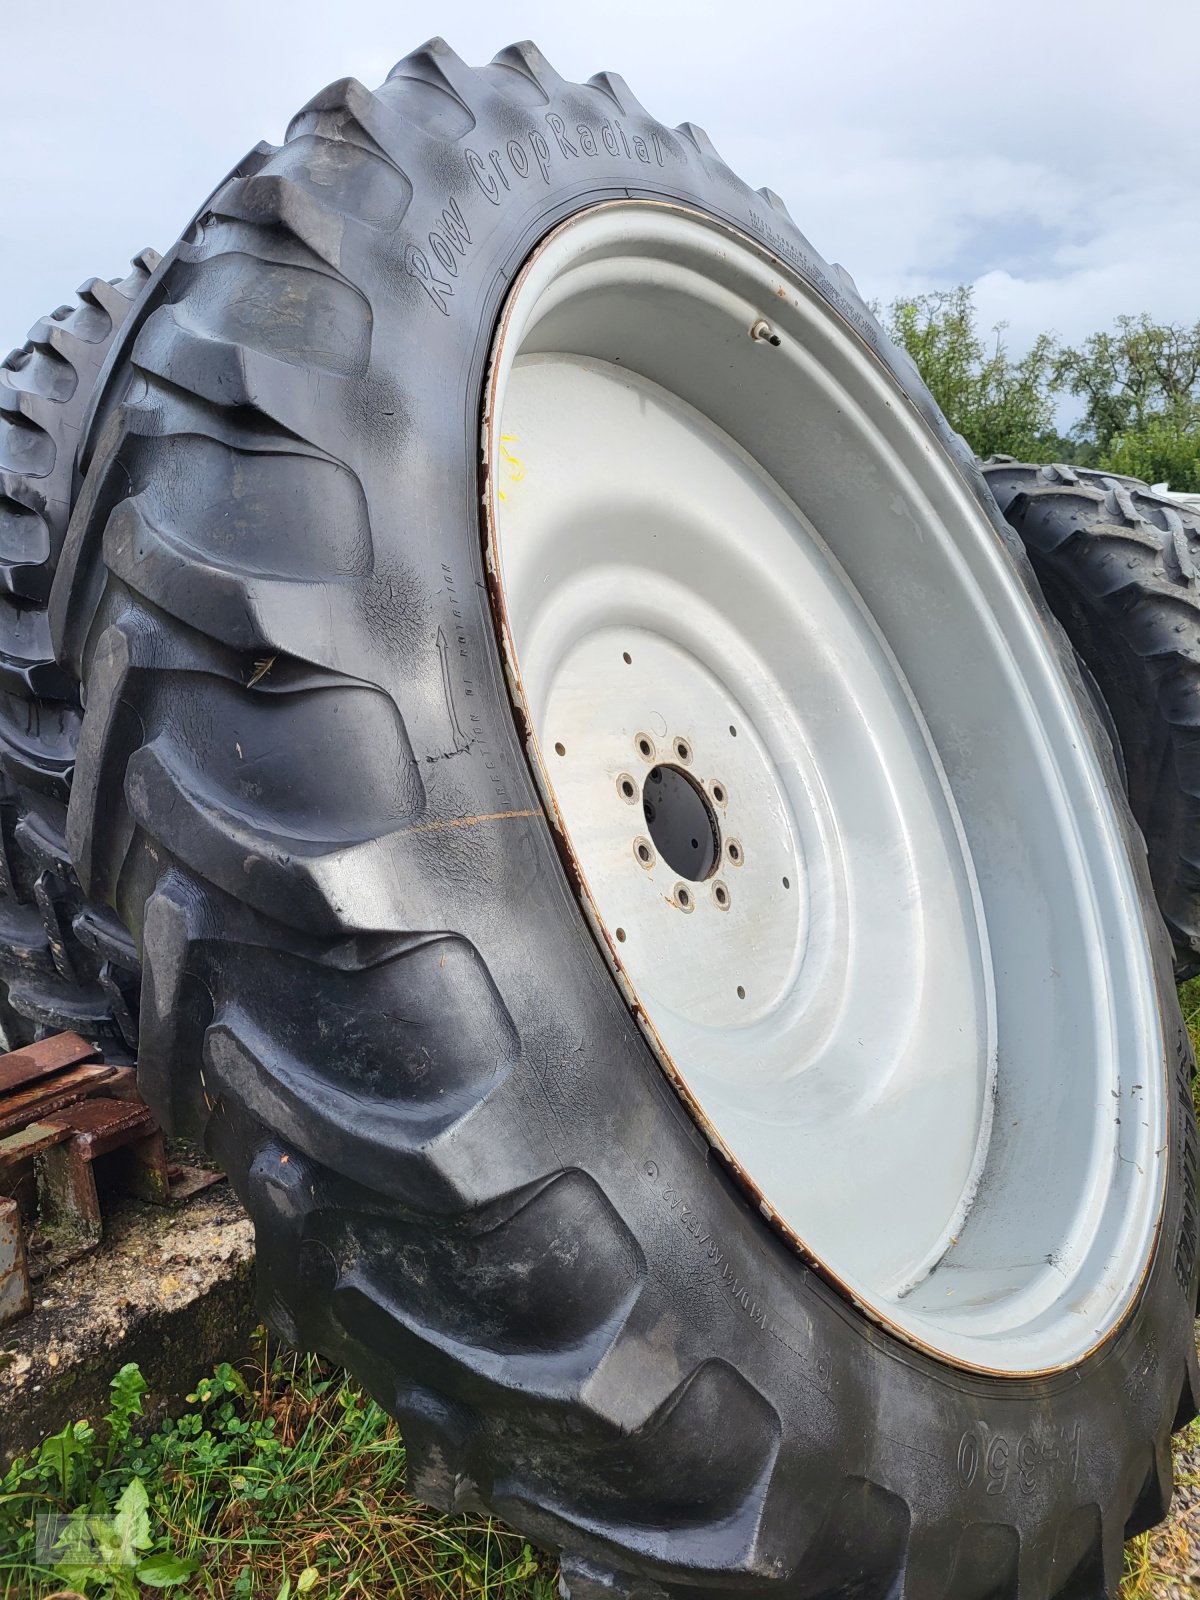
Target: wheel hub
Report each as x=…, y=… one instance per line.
x=684, y=823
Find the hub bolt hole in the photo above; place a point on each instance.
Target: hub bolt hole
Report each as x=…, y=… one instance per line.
x=645, y=746
x=718, y=793
x=721, y=895
x=644, y=852
x=683, y=750
x=734, y=851
x=627, y=788
x=683, y=897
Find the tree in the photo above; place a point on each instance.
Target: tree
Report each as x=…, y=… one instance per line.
x=1140, y=384
x=1140, y=371
x=1000, y=406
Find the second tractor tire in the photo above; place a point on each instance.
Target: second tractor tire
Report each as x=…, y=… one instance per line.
x=64, y=964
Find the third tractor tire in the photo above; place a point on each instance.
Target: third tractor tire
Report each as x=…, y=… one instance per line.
x=1120, y=568
x=630, y=882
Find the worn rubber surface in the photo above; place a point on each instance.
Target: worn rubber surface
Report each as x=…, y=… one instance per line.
x=368, y=984
x=63, y=964
x=1120, y=566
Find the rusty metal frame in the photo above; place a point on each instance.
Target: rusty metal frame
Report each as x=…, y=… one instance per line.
x=63, y=1109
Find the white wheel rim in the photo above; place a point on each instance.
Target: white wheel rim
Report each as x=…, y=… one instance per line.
x=913, y=999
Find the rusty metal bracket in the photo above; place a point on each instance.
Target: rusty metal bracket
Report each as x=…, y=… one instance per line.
x=69, y=1204
x=16, y=1297
x=62, y=1110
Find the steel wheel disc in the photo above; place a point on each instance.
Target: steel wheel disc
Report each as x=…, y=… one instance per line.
x=837, y=819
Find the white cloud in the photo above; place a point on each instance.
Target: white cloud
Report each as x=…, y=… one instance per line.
x=1046, y=152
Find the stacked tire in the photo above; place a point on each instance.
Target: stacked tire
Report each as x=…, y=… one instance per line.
x=1117, y=563
x=63, y=963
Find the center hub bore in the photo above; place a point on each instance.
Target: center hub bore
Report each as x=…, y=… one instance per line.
x=681, y=823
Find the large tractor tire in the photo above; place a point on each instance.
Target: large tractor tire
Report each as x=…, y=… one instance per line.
x=63, y=964
x=1119, y=567
x=630, y=882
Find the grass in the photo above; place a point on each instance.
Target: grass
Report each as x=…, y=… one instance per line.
x=283, y=1479
x=1163, y=1561
x=1189, y=1000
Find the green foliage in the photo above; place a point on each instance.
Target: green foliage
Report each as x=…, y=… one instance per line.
x=65, y=1455
x=1001, y=406
x=1189, y=1000
x=1138, y=372
x=1140, y=383
x=1061, y=447
x=1163, y=449
x=103, y=1554
x=291, y=1484
x=125, y=1403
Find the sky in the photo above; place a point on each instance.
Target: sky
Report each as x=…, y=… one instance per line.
x=1045, y=151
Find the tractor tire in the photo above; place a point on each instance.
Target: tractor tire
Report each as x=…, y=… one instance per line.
x=1118, y=565
x=63, y=964
x=317, y=782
